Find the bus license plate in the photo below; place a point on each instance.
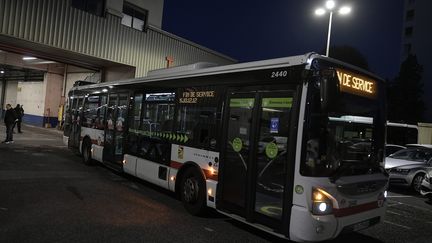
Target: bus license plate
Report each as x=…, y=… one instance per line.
x=361, y=225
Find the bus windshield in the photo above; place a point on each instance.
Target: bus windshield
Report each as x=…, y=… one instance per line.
x=344, y=140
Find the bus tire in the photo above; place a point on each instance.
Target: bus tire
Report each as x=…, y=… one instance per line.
x=86, y=152
x=192, y=192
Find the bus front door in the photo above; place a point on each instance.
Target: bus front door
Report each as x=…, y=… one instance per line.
x=254, y=169
x=114, y=130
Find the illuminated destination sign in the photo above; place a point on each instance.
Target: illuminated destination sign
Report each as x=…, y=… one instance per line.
x=356, y=84
x=193, y=97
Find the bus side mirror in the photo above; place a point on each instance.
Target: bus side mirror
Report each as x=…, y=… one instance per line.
x=329, y=85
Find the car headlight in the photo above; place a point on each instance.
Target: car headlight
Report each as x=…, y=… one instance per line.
x=321, y=202
x=402, y=171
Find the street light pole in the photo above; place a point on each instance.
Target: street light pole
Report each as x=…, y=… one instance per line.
x=329, y=33
x=329, y=5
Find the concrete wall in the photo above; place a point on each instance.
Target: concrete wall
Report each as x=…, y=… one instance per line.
x=11, y=93
x=425, y=133
x=32, y=97
x=53, y=89
x=41, y=100
x=73, y=77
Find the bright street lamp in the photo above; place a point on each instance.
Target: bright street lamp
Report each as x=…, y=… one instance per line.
x=329, y=6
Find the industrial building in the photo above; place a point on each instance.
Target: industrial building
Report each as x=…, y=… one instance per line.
x=47, y=45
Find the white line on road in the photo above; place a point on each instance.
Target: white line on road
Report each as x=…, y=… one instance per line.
x=413, y=206
x=208, y=229
x=394, y=204
x=399, y=225
x=391, y=212
x=4, y=209
x=398, y=196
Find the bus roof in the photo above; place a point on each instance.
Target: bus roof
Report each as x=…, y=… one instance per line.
x=203, y=69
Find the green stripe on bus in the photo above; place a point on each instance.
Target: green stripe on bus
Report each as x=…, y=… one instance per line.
x=277, y=102
x=242, y=102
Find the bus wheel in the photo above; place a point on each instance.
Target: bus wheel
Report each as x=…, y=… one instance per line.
x=417, y=181
x=192, y=190
x=86, y=152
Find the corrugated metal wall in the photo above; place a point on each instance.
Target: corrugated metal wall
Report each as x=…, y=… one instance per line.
x=55, y=23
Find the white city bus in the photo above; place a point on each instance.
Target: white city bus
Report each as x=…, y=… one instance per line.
x=259, y=142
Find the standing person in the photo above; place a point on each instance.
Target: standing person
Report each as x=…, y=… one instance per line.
x=9, y=121
x=19, y=112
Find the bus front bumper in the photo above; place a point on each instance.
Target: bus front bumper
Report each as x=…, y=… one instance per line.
x=306, y=227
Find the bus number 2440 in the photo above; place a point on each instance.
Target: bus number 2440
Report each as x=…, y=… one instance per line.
x=279, y=74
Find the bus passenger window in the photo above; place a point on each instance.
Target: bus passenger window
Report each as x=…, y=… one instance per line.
x=199, y=125
x=152, y=120
x=91, y=111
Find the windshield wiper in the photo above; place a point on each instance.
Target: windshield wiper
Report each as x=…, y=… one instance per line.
x=343, y=167
x=349, y=166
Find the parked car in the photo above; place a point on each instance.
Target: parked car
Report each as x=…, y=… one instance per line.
x=392, y=148
x=407, y=167
x=426, y=186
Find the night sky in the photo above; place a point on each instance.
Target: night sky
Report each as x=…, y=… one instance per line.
x=249, y=30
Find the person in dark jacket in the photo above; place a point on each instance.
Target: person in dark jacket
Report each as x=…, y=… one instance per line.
x=19, y=112
x=9, y=120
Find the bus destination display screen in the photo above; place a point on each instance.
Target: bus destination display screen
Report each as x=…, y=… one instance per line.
x=356, y=84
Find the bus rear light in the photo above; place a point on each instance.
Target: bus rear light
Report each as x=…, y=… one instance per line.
x=210, y=192
x=124, y=161
x=321, y=202
x=172, y=178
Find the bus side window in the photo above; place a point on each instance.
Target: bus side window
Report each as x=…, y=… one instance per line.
x=101, y=109
x=91, y=111
x=156, y=120
x=199, y=124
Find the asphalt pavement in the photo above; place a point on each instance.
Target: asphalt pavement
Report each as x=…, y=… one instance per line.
x=48, y=195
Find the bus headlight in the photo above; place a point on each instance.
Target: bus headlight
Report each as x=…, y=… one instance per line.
x=321, y=202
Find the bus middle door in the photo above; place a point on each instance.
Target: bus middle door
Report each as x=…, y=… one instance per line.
x=255, y=162
x=115, y=128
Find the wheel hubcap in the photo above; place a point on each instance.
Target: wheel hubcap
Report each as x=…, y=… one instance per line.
x=190, y=191
x=417, y=183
